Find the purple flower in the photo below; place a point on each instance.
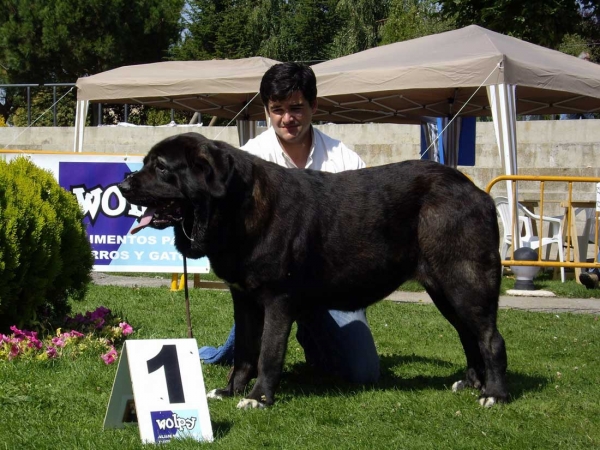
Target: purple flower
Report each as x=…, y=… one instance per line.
x=100, y=313
x=79, y=318
x=51, y=352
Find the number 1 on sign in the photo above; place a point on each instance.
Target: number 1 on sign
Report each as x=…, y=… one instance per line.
x=167, y=358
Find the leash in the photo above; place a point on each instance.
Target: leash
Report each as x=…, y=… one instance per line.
x=187, y=299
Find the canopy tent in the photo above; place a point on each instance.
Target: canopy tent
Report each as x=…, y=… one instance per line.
x=470, y=71
x=435, y=76
x=224, y=88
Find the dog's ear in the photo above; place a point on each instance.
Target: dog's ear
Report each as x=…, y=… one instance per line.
x=216, y=166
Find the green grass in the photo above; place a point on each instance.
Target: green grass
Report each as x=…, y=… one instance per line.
x=554, y=379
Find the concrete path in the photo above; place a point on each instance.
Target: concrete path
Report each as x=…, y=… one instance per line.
x=524, y=300
x=529, y=303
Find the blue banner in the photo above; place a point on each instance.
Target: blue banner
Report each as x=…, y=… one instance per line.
x=109, y=218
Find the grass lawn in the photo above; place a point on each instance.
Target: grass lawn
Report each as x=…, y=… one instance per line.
x=554, y=379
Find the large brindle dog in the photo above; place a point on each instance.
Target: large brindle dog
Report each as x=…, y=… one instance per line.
x=287, y=240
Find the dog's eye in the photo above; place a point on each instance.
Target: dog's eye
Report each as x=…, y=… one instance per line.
x=160, y=168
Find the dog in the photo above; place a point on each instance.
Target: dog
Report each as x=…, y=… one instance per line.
x=288, y=240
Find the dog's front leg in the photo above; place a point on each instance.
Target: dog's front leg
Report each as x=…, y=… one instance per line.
x=249, y=318
x=277, y=326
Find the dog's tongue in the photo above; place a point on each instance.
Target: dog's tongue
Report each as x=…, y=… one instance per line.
x=144, y=221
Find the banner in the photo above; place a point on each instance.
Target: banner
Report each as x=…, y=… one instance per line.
x=92, y=179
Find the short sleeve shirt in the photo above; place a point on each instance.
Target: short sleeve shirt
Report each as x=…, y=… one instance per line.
x=326, y=154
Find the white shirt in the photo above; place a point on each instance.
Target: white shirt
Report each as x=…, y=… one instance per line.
x=326, y=154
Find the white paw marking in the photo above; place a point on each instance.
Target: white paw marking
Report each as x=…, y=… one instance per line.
x=458, y=386
x=248, y=403
x=213, y=394
x=487, y=402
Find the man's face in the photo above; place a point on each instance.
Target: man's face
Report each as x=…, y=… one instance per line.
x=291, y=117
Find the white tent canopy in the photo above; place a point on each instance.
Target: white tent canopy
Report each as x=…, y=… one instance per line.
x=467, y=72
x=437, y=75
x=471, y=71
x=223, y=88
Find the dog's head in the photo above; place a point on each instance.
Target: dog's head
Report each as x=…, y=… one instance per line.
x=181, y=178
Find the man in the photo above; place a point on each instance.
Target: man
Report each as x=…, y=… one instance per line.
x=336, y=342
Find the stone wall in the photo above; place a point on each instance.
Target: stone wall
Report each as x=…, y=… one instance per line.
x=544, y=147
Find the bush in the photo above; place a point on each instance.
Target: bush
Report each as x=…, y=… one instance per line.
x=45, y=256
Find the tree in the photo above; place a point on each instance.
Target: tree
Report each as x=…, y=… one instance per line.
x=410, y=19
x=213, y=29
x=361, y=24
x=44, y=41
x=285, y=30
x=542, y=22
x=294, y=30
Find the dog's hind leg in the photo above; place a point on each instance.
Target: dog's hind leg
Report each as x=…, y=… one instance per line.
x=475, y=321
x=475, y=374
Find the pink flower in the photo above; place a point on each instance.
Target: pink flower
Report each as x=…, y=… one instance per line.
x=51, y=352
x=16, y=331
x=14, y=351
x=76, y=334
x=58, y=341
x=35, y=343
x=110, y=357
x=127, y=329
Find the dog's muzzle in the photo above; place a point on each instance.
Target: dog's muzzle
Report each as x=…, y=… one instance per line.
x=125, y=186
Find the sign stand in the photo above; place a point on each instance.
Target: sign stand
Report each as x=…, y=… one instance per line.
x=159, y=384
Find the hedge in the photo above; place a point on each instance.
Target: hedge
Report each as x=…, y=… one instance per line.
x=45, y=256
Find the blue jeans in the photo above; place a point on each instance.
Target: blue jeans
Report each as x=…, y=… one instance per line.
x=336, y=342
x=340, y=343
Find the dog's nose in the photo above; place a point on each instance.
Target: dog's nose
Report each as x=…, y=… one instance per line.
x=125, y=185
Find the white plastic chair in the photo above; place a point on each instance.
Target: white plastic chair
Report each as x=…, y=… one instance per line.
x=588, y=235
x=528, y=238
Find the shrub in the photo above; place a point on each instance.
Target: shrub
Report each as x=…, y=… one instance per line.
x=45, y=256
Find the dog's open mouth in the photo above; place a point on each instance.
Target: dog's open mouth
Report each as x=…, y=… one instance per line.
x=160, y=217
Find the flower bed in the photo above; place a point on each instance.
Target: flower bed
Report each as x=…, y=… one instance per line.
x=98, y=330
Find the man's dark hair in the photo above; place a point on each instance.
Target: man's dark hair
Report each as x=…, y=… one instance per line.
x=282, y=80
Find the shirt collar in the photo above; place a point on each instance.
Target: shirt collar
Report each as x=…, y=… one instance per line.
x=288, y=161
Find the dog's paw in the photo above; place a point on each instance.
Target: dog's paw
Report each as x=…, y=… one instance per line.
x=487, y=402
x=249, y=403
x=459, y=386
x=214, y=394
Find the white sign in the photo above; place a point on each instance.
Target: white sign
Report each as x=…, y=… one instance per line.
x=159, y=384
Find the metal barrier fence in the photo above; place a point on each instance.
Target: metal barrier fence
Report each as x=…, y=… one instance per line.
x=575, y=245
